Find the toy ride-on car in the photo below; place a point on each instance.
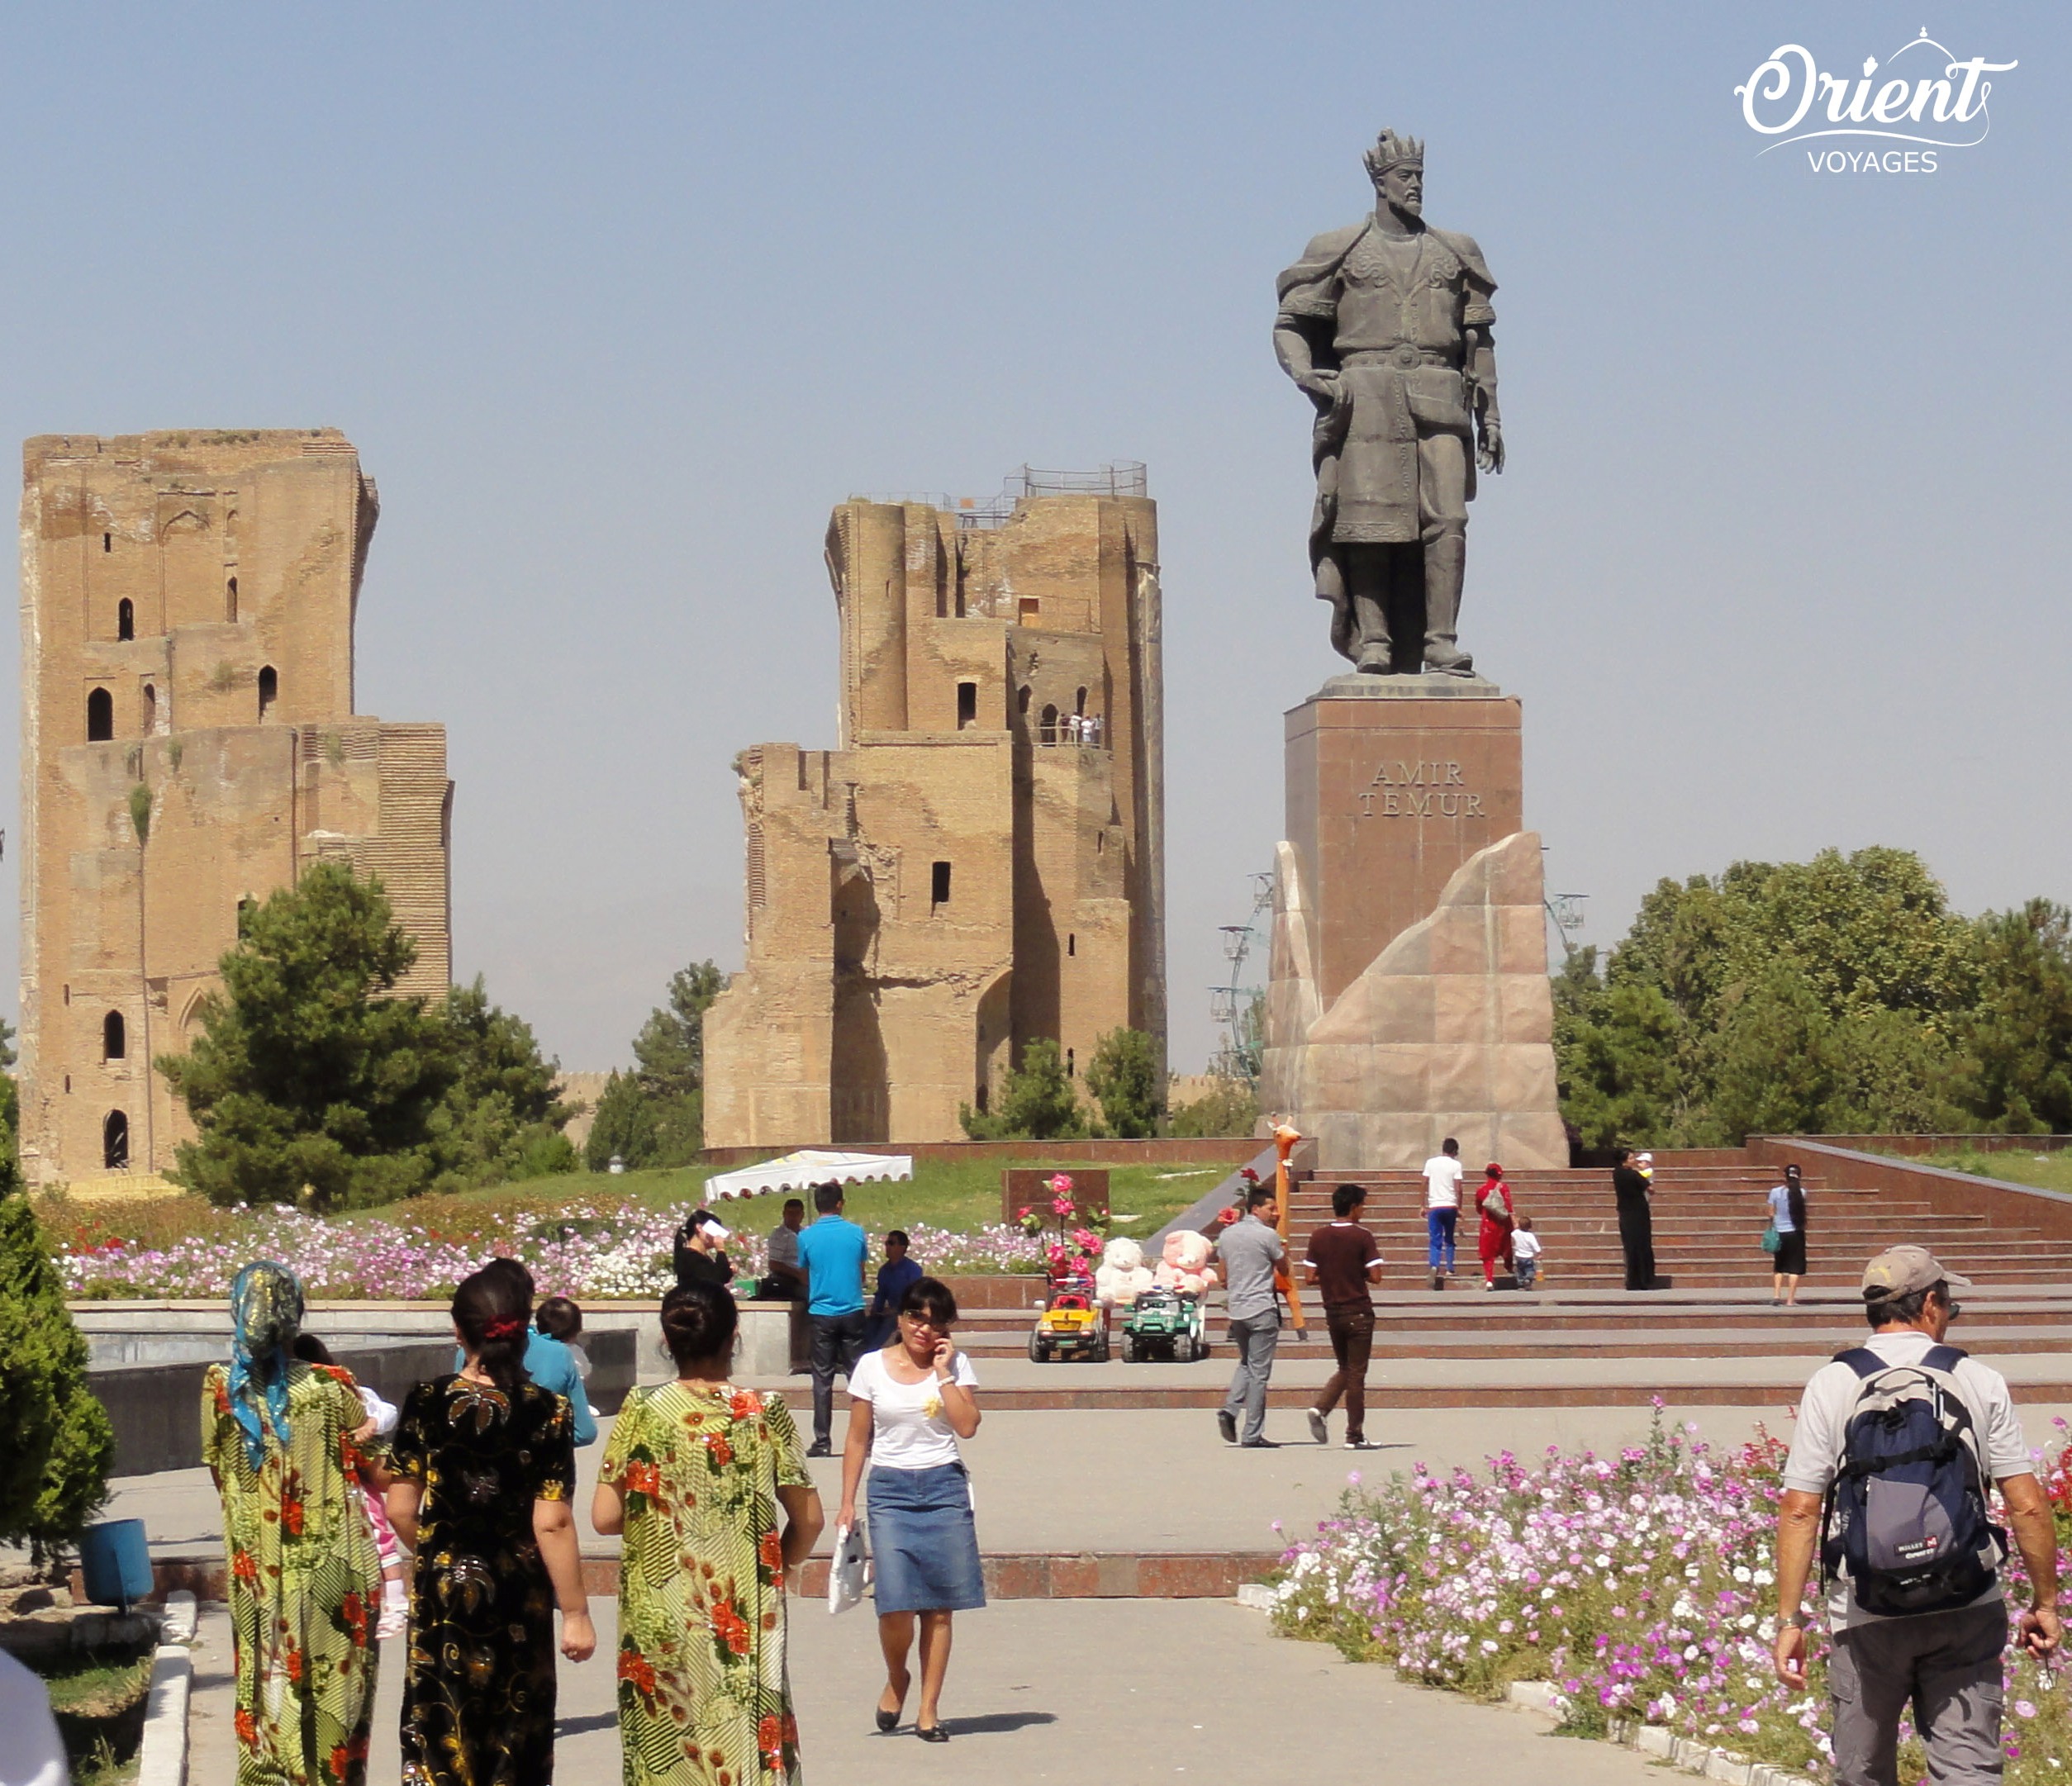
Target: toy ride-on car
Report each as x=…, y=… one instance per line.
x=1072, y=1325
x=1164, y=1324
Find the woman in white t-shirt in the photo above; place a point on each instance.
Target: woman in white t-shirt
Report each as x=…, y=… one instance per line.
x=908, y=1405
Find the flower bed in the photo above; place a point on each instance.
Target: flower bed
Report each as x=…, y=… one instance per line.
x=602, y=1249
x=1638, y=1586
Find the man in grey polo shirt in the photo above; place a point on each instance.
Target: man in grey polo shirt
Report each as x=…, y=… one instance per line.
x=1250, y=1250
x=1945, y=1665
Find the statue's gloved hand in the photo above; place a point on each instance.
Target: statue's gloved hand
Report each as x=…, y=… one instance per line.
x=1490, y=452
x=1321, y=387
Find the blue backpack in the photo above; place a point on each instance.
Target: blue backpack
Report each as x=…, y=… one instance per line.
x=1906, y=1518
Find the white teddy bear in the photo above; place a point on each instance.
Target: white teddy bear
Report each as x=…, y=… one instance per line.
x=1122, y=1277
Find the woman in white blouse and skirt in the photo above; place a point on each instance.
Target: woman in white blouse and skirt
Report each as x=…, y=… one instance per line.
x=909, y=1406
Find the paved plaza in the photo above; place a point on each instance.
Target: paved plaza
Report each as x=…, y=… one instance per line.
x=1079, y=1690
x=1071, y=1480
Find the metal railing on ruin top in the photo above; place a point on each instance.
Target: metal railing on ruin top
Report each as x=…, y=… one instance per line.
x=1121, y=478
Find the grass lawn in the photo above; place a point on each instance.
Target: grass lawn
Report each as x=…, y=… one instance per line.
x=2046, y=1172
x=962, y=1196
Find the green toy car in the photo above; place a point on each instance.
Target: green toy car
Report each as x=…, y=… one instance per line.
x=1164, y=1324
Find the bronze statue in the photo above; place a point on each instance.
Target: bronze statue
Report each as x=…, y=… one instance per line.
x=1386, y=325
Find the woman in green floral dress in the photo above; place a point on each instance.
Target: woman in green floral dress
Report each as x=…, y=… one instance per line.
x=280, y=1436
x=694, y=1475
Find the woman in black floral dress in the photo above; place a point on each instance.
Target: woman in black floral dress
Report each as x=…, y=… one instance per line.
x=484, y=1465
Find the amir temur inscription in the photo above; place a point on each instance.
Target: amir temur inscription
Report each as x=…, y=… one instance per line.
x=1386, y=326
x=1405, y=789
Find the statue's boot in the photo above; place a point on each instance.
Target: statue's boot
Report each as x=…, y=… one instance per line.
x=1445, y=570
x=1372, y=616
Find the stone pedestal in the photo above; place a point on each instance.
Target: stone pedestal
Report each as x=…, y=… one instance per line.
x=1393, y=782
x=1409, y=999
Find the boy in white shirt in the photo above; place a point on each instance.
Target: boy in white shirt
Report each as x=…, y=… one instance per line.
x=1525, y=1252
x=1442, y=1174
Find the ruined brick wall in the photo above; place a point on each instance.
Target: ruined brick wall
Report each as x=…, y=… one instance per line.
x=872, y=1006
x=187, y=601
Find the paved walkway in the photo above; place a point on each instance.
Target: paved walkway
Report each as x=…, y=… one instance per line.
x=1113, y=1479
x=1083, y=1690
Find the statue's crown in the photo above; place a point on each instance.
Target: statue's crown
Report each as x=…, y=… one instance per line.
x=1393, y=151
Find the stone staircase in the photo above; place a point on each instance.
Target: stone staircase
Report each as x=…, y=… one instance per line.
x=1709, y=1336
x=1709, y=1222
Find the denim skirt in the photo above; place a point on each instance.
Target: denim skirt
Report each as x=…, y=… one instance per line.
x=924, y=1545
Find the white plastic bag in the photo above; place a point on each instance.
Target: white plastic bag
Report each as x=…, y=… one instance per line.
x=846, y=1573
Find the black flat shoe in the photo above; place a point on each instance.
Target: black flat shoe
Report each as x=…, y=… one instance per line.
x=931, y=1733
x=887, y=1720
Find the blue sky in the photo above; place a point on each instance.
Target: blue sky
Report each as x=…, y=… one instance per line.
x=617, y=301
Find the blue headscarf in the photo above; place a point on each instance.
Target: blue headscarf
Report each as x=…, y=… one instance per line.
x=266, y=1312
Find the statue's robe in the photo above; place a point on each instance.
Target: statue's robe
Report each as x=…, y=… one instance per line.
x=1391, y=318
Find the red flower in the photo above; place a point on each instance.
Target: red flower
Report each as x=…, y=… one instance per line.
x=244, y=1568
x=636, y=1668
x=341, y=1759
x=247, y=1728
x=644, y=1478
x=769, y=1738
x=772, y=1550
x=294, y=1658
x=745, y=1406
x=717, y=1448
x=353, y=1609
x=730, y=1628
x=292, y=1516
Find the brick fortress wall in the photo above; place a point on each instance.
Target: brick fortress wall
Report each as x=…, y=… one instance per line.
x=187, y=601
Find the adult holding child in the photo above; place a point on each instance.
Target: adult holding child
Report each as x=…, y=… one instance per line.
x=282, y=1439
x=696, y=1475
x=909, y=1405
x=484, y=1464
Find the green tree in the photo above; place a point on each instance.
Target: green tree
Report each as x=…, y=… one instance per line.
x=1037, y=1102
x=1124, y=1076
x=2019, y=1032
x=1232, y=1108
x=54, y=1467
x=669, y=1063
x=1617, y=1052
x=310, y=1083
x=1784, y=997
x=624, y=1126
x=501, y=1118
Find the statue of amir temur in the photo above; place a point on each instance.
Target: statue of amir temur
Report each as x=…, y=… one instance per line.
x=1387, y=326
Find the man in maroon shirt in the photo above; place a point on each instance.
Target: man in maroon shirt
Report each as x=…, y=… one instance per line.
x=1343, y=1262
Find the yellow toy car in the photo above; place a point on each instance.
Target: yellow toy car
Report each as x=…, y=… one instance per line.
x=1073, y=1324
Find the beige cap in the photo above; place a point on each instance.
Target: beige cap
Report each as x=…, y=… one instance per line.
x=1900, y=1270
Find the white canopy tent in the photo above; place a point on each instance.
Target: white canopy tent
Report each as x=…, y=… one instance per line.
x=807, y=1167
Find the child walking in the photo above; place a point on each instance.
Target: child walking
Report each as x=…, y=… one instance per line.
x=1525, y=1253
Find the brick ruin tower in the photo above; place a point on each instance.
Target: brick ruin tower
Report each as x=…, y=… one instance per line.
x=979, y=862
x=188, y=744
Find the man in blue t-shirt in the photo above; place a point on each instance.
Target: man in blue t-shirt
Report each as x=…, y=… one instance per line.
x=831, y=1255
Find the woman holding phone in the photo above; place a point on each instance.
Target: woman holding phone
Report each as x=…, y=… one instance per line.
x=909, y=1406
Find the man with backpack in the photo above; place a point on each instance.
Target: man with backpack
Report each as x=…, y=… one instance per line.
x=1889, y=1475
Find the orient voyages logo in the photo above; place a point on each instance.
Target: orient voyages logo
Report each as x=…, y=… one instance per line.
x=1924, y=95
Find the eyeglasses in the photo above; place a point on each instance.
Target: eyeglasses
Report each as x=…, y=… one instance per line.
x=928, y=1321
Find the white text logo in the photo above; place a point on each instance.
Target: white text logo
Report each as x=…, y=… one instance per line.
x=1923, y=95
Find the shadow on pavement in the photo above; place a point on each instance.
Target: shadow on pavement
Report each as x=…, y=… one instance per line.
x=997, y=1723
